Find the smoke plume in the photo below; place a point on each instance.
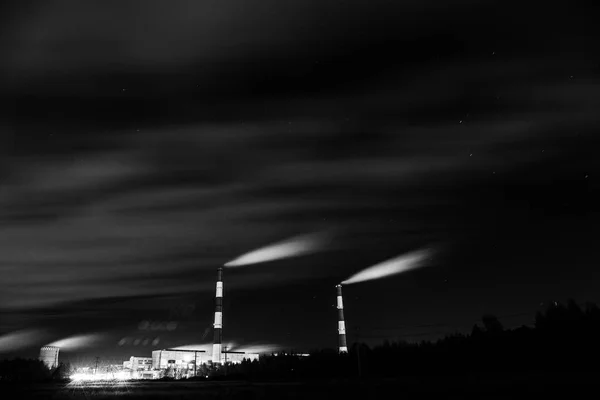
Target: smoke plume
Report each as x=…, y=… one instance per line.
x=76, y=342
x=403, y=263
x=293, y=247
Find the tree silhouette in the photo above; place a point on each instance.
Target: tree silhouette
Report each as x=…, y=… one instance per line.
x=491, y=324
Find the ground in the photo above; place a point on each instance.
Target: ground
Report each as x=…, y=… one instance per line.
x=471, y=387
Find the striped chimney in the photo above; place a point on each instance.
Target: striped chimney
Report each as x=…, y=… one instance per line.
x=218, y=325
x=341, y=324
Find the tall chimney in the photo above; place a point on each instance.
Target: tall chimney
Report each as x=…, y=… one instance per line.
x=218, y=325
x=341, y=324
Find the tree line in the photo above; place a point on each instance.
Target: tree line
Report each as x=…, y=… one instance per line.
x=565, y=337
x=31, y=370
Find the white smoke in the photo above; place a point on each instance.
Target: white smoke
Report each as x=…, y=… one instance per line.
x=403, y=263
x=207, y=347
x=296, y=246
x=19, y=339
x=260, y=348
x=76, y=342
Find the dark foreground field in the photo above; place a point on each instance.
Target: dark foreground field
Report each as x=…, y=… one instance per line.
x=489, y=387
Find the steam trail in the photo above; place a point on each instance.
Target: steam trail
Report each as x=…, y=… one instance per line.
x=75, y=342
x=293, y=247
x=19, y=339
x=403, y=263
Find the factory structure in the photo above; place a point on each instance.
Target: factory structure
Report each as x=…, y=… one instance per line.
x=49, y=356
x=186, y=363
x=138, y=363
x=191, y=362
x=178, y=363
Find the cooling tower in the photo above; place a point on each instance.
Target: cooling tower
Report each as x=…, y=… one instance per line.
x=341, y=324
x=49, y=355
x=218, y=325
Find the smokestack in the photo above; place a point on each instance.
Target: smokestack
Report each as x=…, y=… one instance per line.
x=49, y=355
x=218, y=325
x=341, y=324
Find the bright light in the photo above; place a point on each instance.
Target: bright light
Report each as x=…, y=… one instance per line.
x=260, y=348
x=118, y=376
x=403, y=263
x=123, y=375
x=206, y=347
x=293, y=247
x=77, y=377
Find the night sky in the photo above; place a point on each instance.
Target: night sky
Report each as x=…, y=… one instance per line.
x=144, y=144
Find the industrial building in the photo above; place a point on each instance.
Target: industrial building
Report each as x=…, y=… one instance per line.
x=236, y=357
x=138, y=363
x=178, y=359
x=188, y=359
x=49, y=356
x=179, y=362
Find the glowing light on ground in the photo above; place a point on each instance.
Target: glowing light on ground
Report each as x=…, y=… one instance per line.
x=117, y=376
x=294, y=247
x=403, y=263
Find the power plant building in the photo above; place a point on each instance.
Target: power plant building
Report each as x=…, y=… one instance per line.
x=187, y=359
x=49, y=355
x=181, y=363
x=179, y=359
x=236, y=357
x=138, y=363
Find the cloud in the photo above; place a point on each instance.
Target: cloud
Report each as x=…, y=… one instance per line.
x=281, y=120
x=77, y=225
x=57, y=36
